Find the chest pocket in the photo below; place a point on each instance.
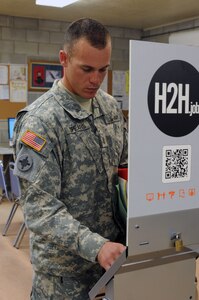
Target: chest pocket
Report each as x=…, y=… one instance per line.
x=113, y=134
x=82, y=137
x=91, y=143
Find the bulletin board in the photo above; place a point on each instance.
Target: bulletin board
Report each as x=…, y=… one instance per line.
x=13, y=89
x=9, y=109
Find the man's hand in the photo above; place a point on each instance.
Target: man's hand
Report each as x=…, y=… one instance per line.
x=109, y=253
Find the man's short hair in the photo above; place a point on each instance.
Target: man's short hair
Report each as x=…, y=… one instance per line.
x=93, y=31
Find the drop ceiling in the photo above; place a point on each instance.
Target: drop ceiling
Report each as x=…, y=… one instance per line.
x=138, y=14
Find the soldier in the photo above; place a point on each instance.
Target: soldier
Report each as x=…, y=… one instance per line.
x=68, y=146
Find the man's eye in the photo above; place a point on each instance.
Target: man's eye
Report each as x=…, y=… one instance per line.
x=87, y=70
x=103, y=70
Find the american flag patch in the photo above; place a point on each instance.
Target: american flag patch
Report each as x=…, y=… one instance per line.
x=33, y=140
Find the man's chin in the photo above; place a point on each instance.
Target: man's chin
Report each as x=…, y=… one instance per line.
x=90, y=94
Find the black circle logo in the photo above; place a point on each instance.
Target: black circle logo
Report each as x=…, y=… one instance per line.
x=173, y=98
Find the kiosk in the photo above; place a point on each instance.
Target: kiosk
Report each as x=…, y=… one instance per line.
x=163, y=178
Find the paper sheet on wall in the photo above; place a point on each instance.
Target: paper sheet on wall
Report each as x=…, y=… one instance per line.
x=18, y=91
x=18, y=72
x=119, y=88
x=3, y=74
x=104, y=85
x=4, y=92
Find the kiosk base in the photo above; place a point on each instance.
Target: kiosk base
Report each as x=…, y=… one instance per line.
x=173, y=281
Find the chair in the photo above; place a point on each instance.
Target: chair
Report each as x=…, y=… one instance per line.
x=3, y=183
x=15, y=195
x=20, y=235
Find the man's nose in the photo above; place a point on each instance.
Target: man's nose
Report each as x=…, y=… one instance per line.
x=96, y=78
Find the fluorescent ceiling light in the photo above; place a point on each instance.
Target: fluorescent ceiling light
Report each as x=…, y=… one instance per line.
x=55, y=3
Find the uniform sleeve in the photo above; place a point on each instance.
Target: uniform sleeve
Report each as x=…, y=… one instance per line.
x=44, y=211
x=124, y=156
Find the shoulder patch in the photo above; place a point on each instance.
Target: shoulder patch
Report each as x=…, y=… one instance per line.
x=24, y=163
x=33, y=140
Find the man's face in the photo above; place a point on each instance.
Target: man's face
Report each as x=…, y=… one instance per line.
x=86, y=68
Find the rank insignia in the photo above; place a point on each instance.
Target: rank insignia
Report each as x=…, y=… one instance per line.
x=33, y=140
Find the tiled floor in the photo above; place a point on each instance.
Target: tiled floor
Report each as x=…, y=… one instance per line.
x=15, y=267
x=16, y=270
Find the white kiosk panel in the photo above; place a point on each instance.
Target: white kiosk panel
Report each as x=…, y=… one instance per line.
x=163, y=179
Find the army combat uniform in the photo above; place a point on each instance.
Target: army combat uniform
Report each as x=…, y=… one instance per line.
x=67, y=160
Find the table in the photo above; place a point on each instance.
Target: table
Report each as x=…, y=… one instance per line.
x=7, y=156
x=6, y=151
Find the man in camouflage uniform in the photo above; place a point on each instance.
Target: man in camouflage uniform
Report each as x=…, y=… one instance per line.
x=68, y=145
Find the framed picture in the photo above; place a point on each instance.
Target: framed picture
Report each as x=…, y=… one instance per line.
x=42, y=75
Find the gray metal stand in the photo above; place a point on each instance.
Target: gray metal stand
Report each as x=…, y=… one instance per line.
x=167, y=277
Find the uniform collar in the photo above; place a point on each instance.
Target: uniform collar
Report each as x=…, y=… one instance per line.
x=66, y=100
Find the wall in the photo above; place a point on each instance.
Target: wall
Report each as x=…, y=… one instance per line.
x=23, y=39
x=188, y=37
x=165, y=34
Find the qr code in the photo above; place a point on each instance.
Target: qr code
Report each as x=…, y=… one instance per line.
x=176, y=165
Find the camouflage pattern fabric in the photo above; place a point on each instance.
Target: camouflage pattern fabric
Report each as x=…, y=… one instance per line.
x=48, y=287
x=68, y=185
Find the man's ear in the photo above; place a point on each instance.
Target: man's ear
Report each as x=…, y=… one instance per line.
x=63, y=58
